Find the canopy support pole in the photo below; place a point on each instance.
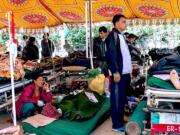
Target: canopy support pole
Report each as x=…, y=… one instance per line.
x=90, y=29
x=12, y=70
x=86, y=25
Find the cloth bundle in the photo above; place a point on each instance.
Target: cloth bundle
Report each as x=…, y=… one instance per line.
x=157, y=54
x=50, y=111
x=166, y=65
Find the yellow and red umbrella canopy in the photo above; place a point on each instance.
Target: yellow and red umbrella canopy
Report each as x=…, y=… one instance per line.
x=40, y=13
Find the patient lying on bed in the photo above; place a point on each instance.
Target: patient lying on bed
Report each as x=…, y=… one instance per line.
x=175, y=79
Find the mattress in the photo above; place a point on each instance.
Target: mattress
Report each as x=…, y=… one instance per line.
x=67, y=127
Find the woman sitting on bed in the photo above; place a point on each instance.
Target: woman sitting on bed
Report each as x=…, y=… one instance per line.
x=33, y=98
x=175, y=79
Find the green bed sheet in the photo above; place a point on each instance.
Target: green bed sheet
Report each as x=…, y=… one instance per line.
x=66, y=127
x=158, y=83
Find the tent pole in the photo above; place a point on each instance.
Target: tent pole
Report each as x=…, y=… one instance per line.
x=12, y=70
x=90, y=28
x=86, y=25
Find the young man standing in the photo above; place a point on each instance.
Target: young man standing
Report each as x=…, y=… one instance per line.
x=99, y=49
x=47, y=46
x=23, y=43
x=119, y=63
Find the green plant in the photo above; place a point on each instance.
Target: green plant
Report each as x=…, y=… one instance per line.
x=76, y=37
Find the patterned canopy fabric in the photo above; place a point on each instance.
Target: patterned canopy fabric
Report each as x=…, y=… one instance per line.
x=40, y=13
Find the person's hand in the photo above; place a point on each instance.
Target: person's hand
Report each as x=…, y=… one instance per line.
x=138, y=50
x=46, y=87
x=117, y=77
x=40, y=103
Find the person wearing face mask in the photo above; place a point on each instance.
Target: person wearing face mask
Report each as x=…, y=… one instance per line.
x=47, y=46
x=119, y=63
x=33, y=98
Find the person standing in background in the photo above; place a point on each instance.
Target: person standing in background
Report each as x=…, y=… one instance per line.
x=30, y=51
x=99, y=49
x=119, y=63
x=47, y=46
x=23, y=43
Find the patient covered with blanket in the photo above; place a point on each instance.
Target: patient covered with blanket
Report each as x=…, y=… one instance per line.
x=164, y=73
x=167, y=81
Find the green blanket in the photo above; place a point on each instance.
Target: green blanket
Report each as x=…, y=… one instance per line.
x=66, y=127
x=79, y=107
x=158, y=83
x=137, y=117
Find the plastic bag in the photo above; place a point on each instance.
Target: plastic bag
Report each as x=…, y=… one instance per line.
x=97, y=84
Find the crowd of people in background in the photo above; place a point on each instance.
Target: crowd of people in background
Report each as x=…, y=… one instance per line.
x=29, y=47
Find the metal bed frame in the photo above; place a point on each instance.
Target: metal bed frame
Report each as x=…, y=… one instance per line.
x=155, y=97
x=5, y=88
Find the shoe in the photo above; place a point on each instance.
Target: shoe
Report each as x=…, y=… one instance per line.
x=118, y=130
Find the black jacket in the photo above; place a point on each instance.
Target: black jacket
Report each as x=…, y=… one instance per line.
x=113, y=54
x=99, y=49
x=47, y=48
x=30, y=52
x=166, y=65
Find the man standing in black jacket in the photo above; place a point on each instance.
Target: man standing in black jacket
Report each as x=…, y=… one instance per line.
x=99, y=49
x=47, y=46
x=119, y=63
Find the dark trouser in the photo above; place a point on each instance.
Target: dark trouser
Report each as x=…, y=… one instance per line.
x=118, y=100
x=29, y=109
x=103, y=66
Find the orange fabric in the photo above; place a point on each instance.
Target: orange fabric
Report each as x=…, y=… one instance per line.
x=40, y=13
